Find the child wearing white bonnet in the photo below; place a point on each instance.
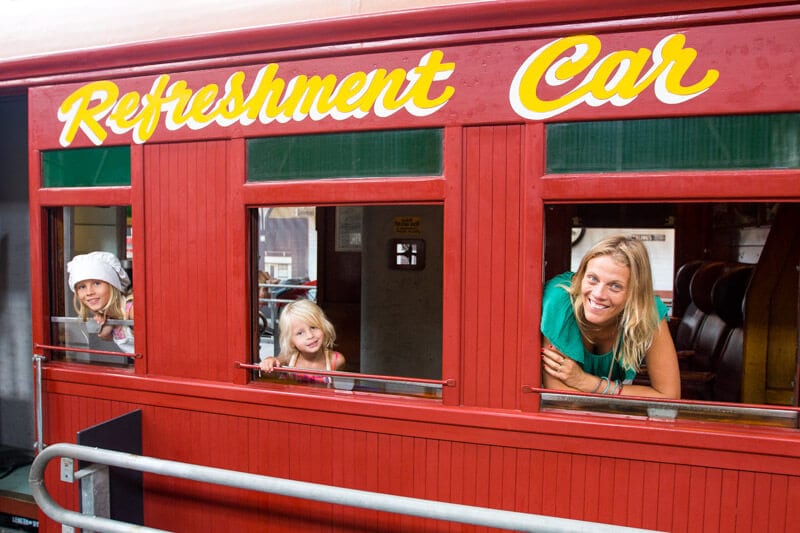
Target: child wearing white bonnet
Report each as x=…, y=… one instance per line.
x=98, y=265
x=99, y=283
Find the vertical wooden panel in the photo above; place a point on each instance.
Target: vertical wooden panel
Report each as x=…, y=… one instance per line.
x=700, y=487
x=759, y=506
x=778, y=503
x=578, y=482
x=492, y=193
x=186, y=226
x=792, y=509
x=729, y=501
x=681, y=498
x=605, y=510
x=666, y=493
x=712, y=500
x=638, y=484
x=621, y=487
x=509, y=300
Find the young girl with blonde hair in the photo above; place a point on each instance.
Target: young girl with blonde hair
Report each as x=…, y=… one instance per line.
x=306, y=338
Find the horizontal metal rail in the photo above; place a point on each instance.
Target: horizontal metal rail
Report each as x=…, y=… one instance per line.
x=85, y=350
x=78, y=320
x=353, y=375
x=430, y=509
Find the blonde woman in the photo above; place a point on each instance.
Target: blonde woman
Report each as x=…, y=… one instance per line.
x=601, y=324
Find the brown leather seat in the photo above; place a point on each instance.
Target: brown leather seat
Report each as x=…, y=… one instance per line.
x=693, y=322
x=681, y=298
x=729, y=298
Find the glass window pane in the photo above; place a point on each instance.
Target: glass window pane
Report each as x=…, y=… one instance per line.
x=87, y=167
x=345, y=155
x=343, y=258
x=685, y=143
x=91, y=290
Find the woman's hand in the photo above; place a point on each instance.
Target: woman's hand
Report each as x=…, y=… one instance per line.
x=268, y=363
x=560, y=367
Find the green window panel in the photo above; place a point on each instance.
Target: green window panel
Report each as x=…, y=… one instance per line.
x=87, y=167
x=686, y=143
x=346, y=155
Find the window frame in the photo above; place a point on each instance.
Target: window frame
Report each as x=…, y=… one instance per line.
x=645, y=186
x=44, y=198
x=443, y=189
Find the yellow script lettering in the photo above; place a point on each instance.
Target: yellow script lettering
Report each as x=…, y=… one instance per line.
x=618, y=78
x=270, y=98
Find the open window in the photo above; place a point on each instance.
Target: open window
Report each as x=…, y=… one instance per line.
x=387, y=316
x=368, y=252
x=732, y=286
x=77, y=230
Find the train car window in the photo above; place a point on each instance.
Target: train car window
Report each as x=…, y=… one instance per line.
x=87, y=167
x=346, y=155
x=685, y=143
x=387, y=316
x=732, y=289
x=91, y=243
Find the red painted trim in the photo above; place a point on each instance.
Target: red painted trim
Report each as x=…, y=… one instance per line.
x=408, y=25
x=345, y=191
x=83, y=196
x=532, y=271
x=138, y=223
x=753, y=185
x=239, y=298
x=452, y=259
x=40, y=285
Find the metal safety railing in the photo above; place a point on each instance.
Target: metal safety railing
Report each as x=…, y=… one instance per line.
x=430, y=509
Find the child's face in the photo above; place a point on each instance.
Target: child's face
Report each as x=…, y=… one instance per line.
x=305, y=337
x=93, y=293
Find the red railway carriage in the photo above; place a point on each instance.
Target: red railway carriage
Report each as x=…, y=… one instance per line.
x=420, y=174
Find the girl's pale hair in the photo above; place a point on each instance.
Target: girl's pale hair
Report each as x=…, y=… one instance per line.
x=310, y=313
x=639, y=319
x=114, y=308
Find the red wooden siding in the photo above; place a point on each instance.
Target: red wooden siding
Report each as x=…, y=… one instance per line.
x=653, y=492
x=185, y=243
x=492, y=192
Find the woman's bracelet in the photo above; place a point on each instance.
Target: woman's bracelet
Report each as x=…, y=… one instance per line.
x=599, y=383
x=608, y=386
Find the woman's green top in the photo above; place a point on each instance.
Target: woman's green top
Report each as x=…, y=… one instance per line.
x=560, y=326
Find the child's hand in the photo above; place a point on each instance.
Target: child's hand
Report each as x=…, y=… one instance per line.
x=105, y=329
x=269, y=363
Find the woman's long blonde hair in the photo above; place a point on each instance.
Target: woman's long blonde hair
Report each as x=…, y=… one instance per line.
x=639, y=319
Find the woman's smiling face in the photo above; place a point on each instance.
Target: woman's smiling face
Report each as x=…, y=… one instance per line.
x=604, y=288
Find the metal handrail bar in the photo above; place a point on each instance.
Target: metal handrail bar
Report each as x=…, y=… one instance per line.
x=277, y=300
x=37, y=372
x=352, y=375
x=85, y=350
x=286, y=286
x=430, y=509
x=74, y=319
